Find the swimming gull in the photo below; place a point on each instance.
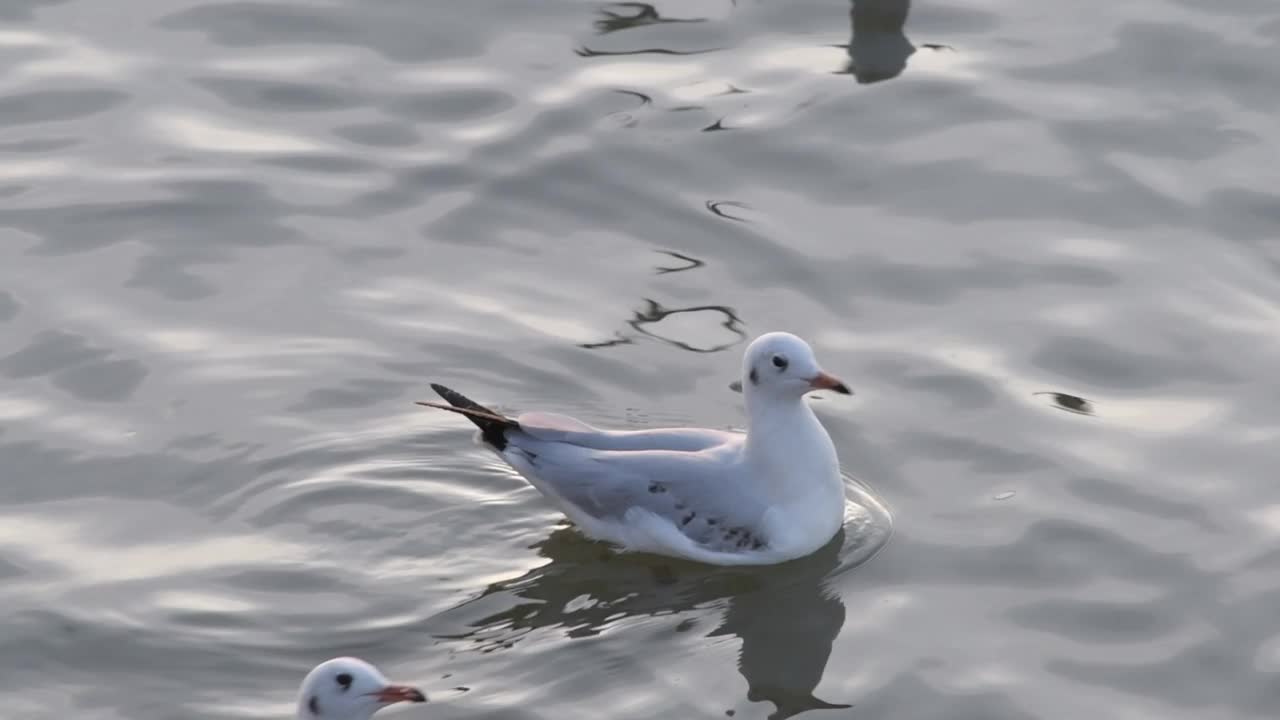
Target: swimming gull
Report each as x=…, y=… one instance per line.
x=769, y=495
x=347, y=688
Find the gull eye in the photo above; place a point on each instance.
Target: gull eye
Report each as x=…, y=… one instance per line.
x=344, y=679
x=780, y=362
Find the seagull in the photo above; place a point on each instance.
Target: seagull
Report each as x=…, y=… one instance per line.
x=771, y=494
x=347, y=688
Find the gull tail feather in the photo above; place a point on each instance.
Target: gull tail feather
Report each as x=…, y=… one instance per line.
x=493, y=425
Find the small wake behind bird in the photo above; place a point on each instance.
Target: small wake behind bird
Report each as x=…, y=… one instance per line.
x=771, y=494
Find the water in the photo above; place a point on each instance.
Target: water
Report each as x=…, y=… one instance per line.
x=239, y=239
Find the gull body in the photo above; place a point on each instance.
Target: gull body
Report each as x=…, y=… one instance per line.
x=771, y=494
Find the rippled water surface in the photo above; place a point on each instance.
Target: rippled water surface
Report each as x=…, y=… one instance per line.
x=238, y=239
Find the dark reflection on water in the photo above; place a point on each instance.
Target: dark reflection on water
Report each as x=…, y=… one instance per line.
x=654, y=313
x=717, y=126
x=1070, y=403
x=786, y=617
x=589, y=53
x=878, y=48
x=717, y=208
x=693, y=263
x=614, y=17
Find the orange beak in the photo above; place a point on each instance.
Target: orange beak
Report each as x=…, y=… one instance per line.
x=823, y=381
x=399, y=693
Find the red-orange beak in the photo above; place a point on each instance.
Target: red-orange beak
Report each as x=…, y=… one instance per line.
x=823, y=381
x=399, y=693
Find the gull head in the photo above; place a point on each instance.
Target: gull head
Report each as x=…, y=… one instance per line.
x=348, y=688
x=782, y=365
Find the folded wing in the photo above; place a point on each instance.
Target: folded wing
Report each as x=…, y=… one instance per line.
x=686, y=490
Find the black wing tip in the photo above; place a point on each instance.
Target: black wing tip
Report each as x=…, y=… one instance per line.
x=457, y=399
x=493, y=425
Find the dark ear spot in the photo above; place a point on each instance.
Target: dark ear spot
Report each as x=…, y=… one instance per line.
x=344, y=679
x=754, y=377
x=314, y=705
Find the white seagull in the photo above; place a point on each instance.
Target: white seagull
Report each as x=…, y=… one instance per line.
x=772, y=494
x=348, y=688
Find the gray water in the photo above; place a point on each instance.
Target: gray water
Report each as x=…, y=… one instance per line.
x=238, y=239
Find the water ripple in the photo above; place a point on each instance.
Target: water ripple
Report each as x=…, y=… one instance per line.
x=240, y=238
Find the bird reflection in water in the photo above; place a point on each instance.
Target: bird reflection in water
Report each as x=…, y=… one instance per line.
x=786, y=616
x=878, y=48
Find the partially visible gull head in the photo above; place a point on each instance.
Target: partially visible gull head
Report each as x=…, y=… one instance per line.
x=348, y=688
